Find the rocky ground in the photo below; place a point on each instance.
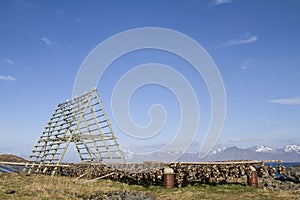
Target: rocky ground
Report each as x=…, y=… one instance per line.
x=119, y=195
x=101, y=195
x=293, y=173
x=271, y=183
x=289, y=181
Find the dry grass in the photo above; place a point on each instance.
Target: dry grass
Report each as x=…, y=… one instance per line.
x=46, y=187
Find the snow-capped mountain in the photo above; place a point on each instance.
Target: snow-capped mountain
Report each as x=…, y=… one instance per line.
x=289, y=153
x=216, y=151
x=264, y=149
x=292, y=148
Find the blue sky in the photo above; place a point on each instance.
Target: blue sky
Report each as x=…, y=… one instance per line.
x=254, y=43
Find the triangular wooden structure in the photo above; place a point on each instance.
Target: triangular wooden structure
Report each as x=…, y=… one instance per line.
x=82, y=121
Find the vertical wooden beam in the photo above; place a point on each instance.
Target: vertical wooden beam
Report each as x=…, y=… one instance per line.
x=110, y=128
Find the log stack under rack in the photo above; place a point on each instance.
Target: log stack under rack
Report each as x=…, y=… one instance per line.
x=152, y=173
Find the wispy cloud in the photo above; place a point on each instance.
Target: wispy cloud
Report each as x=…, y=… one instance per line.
x=7, y=78
x=286, y=101
x=46, y=41
x=220, y=2
x=25, y=3
x=246, y=64
x=247, y=39
x=78, y=19
x=8, y=61
x=244, y=140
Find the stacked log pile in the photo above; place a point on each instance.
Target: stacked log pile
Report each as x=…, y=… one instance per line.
x=150, y=173
x=141, y=174
x=211, y=173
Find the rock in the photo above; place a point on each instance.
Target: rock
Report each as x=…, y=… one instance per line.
x=99, y=192
x=293, y=173
x=119, y=195
x=10, y=191
x=271, y=183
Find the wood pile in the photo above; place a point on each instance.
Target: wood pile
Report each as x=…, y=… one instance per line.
x=141, y=174
x=211, y=174
x=152, y=173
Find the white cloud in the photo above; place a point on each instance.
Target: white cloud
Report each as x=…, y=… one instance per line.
x=247, y=39
x=245, y=65
x=7, y=78
x=220, y=2
x=9, y=61
x=25, y=3
x=286, y=101
x=270, y=122
x=46, y=41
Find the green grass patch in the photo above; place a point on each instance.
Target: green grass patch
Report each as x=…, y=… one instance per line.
x=37, y=187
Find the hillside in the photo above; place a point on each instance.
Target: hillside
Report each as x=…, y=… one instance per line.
x=11, y=158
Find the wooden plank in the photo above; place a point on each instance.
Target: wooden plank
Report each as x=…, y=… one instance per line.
x=33, y=164
x=272, y=161
x=94, y=180
x=220, y=162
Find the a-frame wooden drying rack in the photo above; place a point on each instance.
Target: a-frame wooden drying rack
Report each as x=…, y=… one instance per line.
x=82, y=121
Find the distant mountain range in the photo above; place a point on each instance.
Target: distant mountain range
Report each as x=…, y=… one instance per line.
x=289, y=153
